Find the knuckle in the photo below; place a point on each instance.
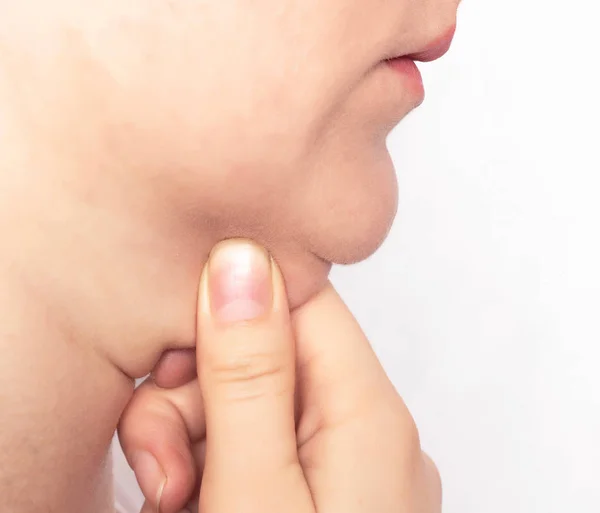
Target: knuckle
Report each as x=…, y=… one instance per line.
x=426, y=486
x=149, y=415
x=247, y=375
x=404, y=428
x=412, y=438
x=410, y=441
x=434, y=478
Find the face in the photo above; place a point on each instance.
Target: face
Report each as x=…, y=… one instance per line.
x=263, y=119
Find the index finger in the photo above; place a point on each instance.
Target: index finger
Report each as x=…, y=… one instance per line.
x=338, y=369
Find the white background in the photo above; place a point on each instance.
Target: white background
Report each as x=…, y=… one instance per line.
x=484, y=303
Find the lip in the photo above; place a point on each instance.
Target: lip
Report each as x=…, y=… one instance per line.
x=406, y=67
x=436, y=49
x=405, y=64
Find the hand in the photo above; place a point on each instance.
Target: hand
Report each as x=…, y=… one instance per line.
x=290, y=413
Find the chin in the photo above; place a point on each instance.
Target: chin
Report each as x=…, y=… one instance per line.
x=363, y=237
x=304, y=283
x=358, y=217
x=306, y=264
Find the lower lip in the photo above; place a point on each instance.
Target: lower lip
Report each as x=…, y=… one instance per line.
x=408, y=69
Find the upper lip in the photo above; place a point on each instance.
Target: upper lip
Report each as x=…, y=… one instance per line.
x=436, y=49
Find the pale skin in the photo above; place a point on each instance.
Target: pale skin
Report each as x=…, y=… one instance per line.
x=290, y=412
x=135, y=136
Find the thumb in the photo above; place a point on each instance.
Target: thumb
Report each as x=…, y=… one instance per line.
x=246, y=367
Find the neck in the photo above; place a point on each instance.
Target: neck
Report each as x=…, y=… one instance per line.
x=115, y=277
x=93, y=289
x=97, y=278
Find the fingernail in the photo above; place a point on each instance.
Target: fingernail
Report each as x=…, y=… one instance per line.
x=150, y=475
x=239, y=282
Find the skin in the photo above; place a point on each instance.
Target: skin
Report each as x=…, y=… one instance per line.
x=289, y=412
x=136, y=135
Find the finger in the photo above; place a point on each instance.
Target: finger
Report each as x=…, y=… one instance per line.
x=352, y=416
x=432, y=486
x=158, y=431
x=148, y=508
x=339, y=374
x=175, y=368
x=246, y=368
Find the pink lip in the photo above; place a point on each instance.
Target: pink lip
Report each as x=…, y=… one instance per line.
x=405, y=64
x=436, y=49
x=407, y=68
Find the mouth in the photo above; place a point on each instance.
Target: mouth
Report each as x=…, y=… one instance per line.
x=405, y=64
